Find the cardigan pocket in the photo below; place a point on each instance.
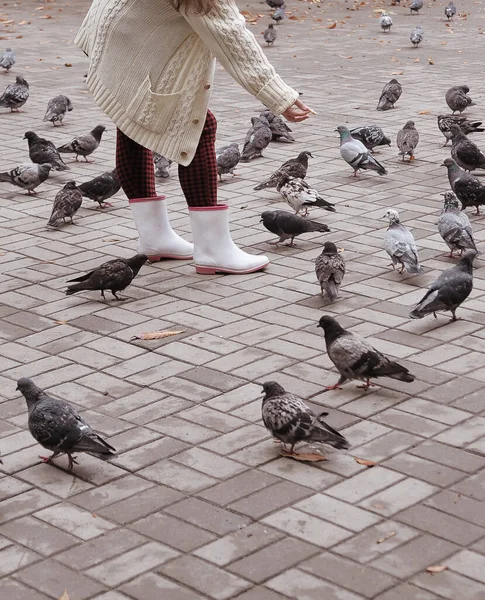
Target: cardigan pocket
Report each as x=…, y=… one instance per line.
x=151, y=110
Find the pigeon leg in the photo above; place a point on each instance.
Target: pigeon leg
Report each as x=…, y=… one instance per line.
x=72, y=461
x=88, y=161
x=453, y=312
x=31, y=192
x=117, y=297
x=367, y=385
x=104, y=204
x=274, y=243
x=478, y=210
x=49, y=459
x=335, y=386
x=102, y=294
x=310, y=457
x=402, y=270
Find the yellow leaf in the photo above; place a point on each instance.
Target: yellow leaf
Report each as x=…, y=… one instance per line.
x=61, y=322
x=436, y=568
x=366, y=463
x=424, y=112
x=386, y=537
x=156, y=335
x=430, y=61
x=65, y=596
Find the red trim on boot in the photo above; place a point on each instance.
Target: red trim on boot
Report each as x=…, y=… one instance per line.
x=153, y=199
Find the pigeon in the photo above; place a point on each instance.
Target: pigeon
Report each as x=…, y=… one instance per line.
x=390, y=94
x=269, y=34
x=228, y=158
x=371, y=136
x=27, y=176
x=257, y=139
x=288, y=226
x=295, y=167
x=101, y=188
x=330, y=270
x=43, y=151
x=400, y=245
x=298, y=194
x=58, y=427
x=465, y=152
x=356, y=154
x=415, y=6
x=290, y=420
x=84, y=145
x=416, y=36
x=454, y=226
x=449, y=291
x=7, y=60
x=15, y=95
x=467, y=126
x=279, y=14
x=162, y=165
x=450, y=11
x=114, y=275
x=407, y=140
x=66, y=204
x=469, y=190
x=385, y=21
x=279, y=129
x=275, y=3
x=457, y=98
x=56, y=109
x=355, y=358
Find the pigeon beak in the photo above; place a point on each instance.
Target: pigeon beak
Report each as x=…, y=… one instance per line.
x=17, y=389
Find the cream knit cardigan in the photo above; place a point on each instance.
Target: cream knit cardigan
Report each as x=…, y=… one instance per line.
x=151, y=68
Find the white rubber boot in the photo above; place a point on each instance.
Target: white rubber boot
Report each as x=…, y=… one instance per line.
x=157, y=239
x=214, y=250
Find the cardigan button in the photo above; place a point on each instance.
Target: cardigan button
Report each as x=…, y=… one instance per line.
x=195, y=121
x=183, y=154
x=207, y=87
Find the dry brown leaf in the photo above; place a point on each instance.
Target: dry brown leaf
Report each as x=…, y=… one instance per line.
x=68, y=64
x=332, y=26
x=65, y=596
x=61, y=322
x=249, y=16
x=24, y=22
x=397, y=72
x=386, y=537
x=417, y=60
x=46, y=17
x=436, y=568
x=424, y=112
x=156, y=335
x=40, y=8
x=366, y=463
x=344, y=56
x=111, y=240
x=430, y=61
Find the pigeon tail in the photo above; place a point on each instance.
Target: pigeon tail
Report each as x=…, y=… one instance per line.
x=73, y=289
x=322, y=203
x=331, y=289
x=429, y=304
x=322, y=432
x=316, y=226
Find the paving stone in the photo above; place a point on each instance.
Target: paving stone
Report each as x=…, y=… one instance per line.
x=458, y=505
x=406, y=591
x=450, y=456
x=14, y=590
x=237, y=487
x=38, y=536
x=152, y=586
x=449, y=584
x=304, y=586
x=337, y=512
x=269, y=499
x=401, y=495
x=423, y=469
x=469, y=564
x=364, y=484
x=25, y=503
x=473, y=486
x=74, y=520
x=205, y=515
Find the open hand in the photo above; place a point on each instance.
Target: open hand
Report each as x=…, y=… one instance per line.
x=297, y=112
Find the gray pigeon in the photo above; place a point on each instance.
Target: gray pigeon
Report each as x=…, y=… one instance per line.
x=27, y=176
x=450, y=11
x=84, y=145
x=295, y=167
x=465, y=152
x=400, y=245
x=469, y=190
x=415, y=6
x=390, y=94
x=279, y=128
x=407, y=140
x=330, y=270
x=417, y=35
x=43, y=151
x=355, y=358
x=279, y=14
x=58, y=427
x=457, y=98
x=450, y=290
x=290, y=420
x=56, y=109
x=371, y=136
x=298, y=194
x=162, y=165
x=114, y=275
x=257, y=139
x=454, y=226
x=66, y=204
x=467, y=126
x=15, y=95
x=269, y=34
x=356, y=154
x=275, y=3
x=7, y=61
x=228, y=158
x=101, y=188
x=288, y=226
x=385, y=21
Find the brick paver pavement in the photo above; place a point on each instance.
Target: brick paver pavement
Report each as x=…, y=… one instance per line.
x=198, y=504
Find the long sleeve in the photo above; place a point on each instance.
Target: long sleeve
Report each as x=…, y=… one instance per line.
x=224, y=32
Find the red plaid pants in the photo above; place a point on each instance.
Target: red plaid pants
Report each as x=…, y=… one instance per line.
x=134, y=167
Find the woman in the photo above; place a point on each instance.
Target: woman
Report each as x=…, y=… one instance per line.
x=151, y=71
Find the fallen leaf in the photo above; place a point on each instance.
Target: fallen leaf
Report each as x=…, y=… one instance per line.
x=436, y=568
x=344, y=56
x=61, y=322
x=249, y=16
x=315, y=457
x=65, y=596
x=293, y=18
x=430, y=61
x=332, y=26
x=24, y=23
x=155, y=335
x=46, y=17
x=68, y=64
x=424, y=112
x=111, y=240
x=386, y=537
x=416, y=60
x=397, y=72
x=366, y=463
